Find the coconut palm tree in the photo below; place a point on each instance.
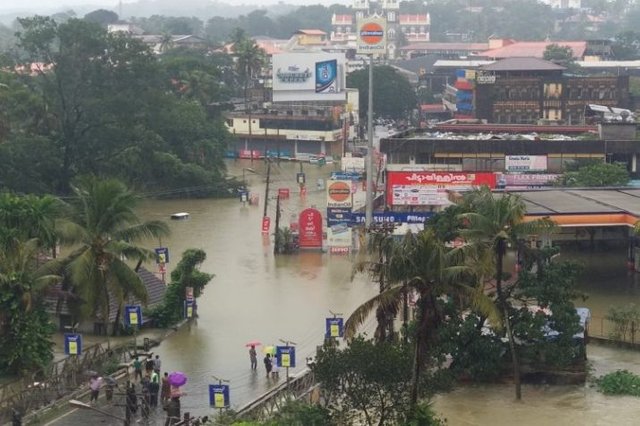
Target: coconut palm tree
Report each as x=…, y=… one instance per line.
x=104, y=228
x=250, y=59
x=491, y=226
x=24, y=326
x=422, y=264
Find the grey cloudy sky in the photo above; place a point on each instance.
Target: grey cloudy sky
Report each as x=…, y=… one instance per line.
x=46, y=5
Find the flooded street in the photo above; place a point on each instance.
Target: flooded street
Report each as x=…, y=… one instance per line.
x=255, y=295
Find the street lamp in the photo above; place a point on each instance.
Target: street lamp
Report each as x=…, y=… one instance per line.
x=83, y=405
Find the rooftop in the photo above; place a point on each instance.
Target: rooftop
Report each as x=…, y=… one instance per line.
x=522, y=64
x=533, y=49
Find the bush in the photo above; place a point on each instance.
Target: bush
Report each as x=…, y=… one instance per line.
x=621, y=382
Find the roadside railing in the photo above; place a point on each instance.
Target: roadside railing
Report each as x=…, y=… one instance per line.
x=60, y=378
x=263, y=408
x=615, y=331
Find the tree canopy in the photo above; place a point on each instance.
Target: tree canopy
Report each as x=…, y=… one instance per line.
x=596, y=174
x=102, y=103
x=393, y=96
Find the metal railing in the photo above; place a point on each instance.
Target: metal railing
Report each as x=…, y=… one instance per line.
x=263, y=408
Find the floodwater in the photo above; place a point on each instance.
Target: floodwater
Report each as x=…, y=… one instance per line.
x=256, y=295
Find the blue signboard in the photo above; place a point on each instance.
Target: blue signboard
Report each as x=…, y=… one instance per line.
x=346, y=176
x=244, y=196
x=300, y=178
x=162, y=255
x=219, y=396
x=72, y=344
x=334, y=327
x=286, y=356
x=327, y=76
x=338, y=215
x=393, y=217
x=189, y=308
x=133, y=315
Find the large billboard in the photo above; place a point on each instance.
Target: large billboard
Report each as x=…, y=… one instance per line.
x=309, y=77
x=430, y=188
x=372, y=36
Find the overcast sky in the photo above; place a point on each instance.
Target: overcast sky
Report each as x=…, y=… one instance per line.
x=46, y=5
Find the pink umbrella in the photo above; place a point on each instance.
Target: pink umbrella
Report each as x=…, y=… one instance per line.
x=177, y=379
x=253, y=343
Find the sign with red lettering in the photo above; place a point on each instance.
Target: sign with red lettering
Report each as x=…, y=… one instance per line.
x=430, y=188
x=310, y=224
x=266, y=224
x=283, y=193
x=339, y=193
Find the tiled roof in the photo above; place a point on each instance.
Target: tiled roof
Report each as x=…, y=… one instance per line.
x=155, y=293
x=533, y=49
x=522, y=64
x=429, y=46
x=311, y=32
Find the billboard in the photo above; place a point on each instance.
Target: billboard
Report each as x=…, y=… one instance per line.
x=430, y=188
x=310, y=228
x=372, y=36
x=317, y=76
x=525, y=163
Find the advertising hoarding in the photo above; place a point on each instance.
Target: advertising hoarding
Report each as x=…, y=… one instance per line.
x=430, y=188
x=310, y=224
x=317, y=76
x=525, y=163
x=372, y=36
x=339, y=235
x=528, y=180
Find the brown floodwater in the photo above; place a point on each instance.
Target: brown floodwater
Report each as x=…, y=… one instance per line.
x=256, y=295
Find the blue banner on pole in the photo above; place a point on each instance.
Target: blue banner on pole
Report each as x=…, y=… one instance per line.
x=286, y=356
x=189, y=308
x=346, y=176
x=334, y=327
x=133, y=315
x=162, y=255
x=300, y=178
x=219, y=396
x=72, y=344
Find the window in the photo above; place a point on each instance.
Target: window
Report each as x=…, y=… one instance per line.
x=391, y=16
x=229, y=122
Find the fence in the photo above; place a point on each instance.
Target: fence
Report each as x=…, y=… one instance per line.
x=59, y=379
x=263, y=408
x=615, y=331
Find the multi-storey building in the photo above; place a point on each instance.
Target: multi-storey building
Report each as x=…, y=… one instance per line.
x=401, y=28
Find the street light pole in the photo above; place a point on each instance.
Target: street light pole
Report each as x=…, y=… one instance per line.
x=369, y=166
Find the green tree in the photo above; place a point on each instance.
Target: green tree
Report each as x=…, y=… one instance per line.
x=597, y=174
x=186, y=274
x=626, y=46
x=393, y=97
x=104, y=229
x=102, y=17
x=493, y=225
x=250, y=59
x=421, y=264
x=25, y=328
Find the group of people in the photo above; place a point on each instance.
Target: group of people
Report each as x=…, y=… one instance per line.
x=270, y=363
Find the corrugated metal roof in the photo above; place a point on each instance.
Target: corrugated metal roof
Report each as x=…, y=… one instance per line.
x=522, y=64
x=533, y=48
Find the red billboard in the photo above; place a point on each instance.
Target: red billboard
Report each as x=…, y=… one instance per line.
x=310, y=224
x=430, y=188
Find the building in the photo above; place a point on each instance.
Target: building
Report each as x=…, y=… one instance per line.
x=311, y=37
x=530, y=152
x=442, y=50
x=527, y=90
x=401, y=28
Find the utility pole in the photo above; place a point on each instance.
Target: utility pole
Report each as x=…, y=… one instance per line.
x=279, y=243
x=266, y=190
x=369, y=165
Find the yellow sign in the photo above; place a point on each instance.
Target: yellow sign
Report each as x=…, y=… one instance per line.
x=133, y=318
x=286, y=361
x=73, y=348
x=189, y=311
x=218, y=400
x=335, y=330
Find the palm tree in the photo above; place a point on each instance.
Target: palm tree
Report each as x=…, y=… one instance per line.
x=422, y=264
x=491, y=226
x=250, y=59
x=24, y=326
x=105, y=228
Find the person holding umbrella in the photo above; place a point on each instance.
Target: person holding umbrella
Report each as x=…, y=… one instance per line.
x=253, y=355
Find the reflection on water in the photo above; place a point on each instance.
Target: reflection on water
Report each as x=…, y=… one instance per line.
x=257, y=296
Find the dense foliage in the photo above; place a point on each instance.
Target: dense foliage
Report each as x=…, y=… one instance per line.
x=393, y=98
x=621, y=382
x=186, y=274
x=84, y=101
x=596, y=174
